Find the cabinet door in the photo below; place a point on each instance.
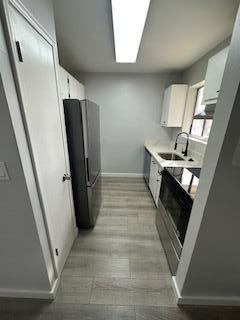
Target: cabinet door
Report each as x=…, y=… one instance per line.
x=214, y=74
x=165, y=106
x=174, y=105
x=76, y=89
x=153, y=177
x=158, y=186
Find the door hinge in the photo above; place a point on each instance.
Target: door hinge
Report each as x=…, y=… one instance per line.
x=19, y=51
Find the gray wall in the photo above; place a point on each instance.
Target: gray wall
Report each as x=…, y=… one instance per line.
x=130, y=107
x=209, y=268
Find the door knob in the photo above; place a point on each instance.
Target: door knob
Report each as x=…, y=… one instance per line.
x=66, y=176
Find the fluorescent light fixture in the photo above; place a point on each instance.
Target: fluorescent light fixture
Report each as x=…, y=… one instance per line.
x=129, y=18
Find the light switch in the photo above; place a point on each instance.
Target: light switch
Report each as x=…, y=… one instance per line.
x=3, y=171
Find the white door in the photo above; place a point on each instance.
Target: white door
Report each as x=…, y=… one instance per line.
x=214, y=75
x=38, y=85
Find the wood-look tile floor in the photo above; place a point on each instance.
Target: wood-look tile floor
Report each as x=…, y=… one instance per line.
x=118, y=270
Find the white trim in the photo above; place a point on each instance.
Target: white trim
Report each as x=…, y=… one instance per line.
x=198, y=84
x=209, y=301
x=203, y=300
x=31, y=294
x=198, y=139
x=123, y=175
x=19, y=6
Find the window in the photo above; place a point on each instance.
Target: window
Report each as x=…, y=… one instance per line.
x=200, y=127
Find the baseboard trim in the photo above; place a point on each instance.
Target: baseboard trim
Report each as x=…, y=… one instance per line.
x=203, y=300
x=122, y=175
x=31, y=294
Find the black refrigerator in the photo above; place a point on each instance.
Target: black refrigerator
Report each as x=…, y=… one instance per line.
x=83, y=137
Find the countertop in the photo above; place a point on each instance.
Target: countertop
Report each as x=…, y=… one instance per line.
x=155, y=148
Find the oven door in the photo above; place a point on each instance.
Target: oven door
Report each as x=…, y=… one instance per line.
x=177, y=204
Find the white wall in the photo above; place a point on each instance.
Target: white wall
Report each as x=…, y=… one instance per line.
x=209, y=268
x=130, y=107
x=42, y=10
x=24, y=267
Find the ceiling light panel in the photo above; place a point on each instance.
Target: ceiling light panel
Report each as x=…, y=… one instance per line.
x=129, y=18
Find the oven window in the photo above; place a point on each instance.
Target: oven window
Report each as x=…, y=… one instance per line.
x=178, y=215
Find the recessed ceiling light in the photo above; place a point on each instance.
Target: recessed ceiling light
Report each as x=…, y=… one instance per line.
x=129, y=18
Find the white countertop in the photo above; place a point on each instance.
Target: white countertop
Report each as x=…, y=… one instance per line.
x=155, y=148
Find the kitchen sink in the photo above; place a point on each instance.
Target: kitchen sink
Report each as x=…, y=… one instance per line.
x=170, y=156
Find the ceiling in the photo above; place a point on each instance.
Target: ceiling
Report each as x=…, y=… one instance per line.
x=177, y=33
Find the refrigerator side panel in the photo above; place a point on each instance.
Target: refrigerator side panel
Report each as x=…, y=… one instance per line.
x=75, y=138
x=93, y=140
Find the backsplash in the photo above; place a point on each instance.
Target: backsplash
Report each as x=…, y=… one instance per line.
x=196, y=148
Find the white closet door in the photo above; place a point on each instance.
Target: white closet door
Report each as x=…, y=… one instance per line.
x=38, y=85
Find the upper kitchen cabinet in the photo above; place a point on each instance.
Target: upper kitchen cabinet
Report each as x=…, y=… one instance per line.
x=214, y=74
x=70, y=87
x=174, y=99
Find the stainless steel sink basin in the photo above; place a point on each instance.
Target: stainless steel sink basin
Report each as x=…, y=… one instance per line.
x=170, y=156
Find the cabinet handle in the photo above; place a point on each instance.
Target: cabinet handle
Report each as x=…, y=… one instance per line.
x=217, y=91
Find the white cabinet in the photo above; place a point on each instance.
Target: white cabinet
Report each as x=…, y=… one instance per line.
x=76, y=89
x=155, y=180
x=158, y=186
x=70, y=87
x=214, y=74
x=173, y=106
x=64, y=86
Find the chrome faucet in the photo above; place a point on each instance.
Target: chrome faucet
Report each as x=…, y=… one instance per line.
x=185, y=152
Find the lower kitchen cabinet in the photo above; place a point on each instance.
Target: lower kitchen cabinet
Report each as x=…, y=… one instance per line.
x=155, y=180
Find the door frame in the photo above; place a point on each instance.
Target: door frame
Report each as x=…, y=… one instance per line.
x=24, y=12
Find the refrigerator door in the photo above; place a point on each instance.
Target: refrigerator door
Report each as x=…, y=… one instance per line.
x=92, y=139
x=83, y=135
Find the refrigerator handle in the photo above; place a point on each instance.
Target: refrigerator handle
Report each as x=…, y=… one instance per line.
x=87, y=166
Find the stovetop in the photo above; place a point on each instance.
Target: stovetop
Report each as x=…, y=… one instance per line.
x=188, y=178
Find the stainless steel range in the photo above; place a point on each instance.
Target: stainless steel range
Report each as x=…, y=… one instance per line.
x=177, y=193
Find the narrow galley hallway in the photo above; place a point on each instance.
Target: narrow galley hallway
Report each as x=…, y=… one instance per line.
x=118, y=270
x=120, y=262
